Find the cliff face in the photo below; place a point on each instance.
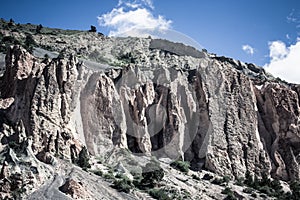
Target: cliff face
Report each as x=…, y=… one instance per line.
x=278, y=119
x=218, y=113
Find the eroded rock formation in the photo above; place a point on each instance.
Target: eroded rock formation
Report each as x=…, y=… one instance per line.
x=219, y=114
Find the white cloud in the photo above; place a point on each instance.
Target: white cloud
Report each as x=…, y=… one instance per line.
x=136, y=3
x=149, y=3
x=278, y=50
x=248, y=49
x=294, y=18
x=130, y=15
x=284, y=61
x=291, y=18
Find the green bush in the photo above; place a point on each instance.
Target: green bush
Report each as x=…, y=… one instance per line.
x=127, y=58
x=207, y=177
x=19, y=148
x=240, y=181
x=46, y=56
x=248, y=179
x=93, y=29
x=185, y=194
x=39, y=28
x=170, y=193
x=121, y=176
x=226, y=179
x=276, y=185
x=217, y=181
x=196, y=177
x=123, y=184
x=265, y=185
x=83, y=159
x=98, y=173
x=229, y=193
x=29, y=43
x=295, y=189
x=109, y=176
x=248, y=190
x=227, y=190
x=7, y=41
x=160, y=194
x=14, y=145
x=152, y=174
x=182, y=166
x=256, y=183
x=264, y=181
x=11, y=22
x=221, y=181
x=266, y=190
x=254, y=195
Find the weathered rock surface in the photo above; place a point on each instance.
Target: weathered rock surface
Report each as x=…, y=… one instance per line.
x=278, y=116
x=74, y=189
x=218, y=113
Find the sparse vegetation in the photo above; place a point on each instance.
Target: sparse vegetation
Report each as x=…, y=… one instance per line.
x=19, y=148
x=95, y=55
x=295, y=189
x=182, y=166
x=39, y=28
x=248, y=179
x=29, y=43
x=109, y=176
x=152, y=174
x=196, y=177
x=93, y=29
x=123, y=184
x=127, y=58
x=98, y=172
x=11, y=23
x=221, y=181
x=160, y=194
x=83, y=159
x=7, y=41
x=264, y=185
x=240, y=181
x=248, y=190
x=148, y=178
x=169, y=194
x=207, y=177
x=229, y=193
x=254, y=195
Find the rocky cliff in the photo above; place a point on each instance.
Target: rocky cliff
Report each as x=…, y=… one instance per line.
x=147, y=97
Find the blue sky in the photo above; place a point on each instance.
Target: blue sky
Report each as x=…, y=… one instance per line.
x=263, y=32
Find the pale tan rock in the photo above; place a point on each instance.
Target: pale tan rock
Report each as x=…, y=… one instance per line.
x=74, y=189
x=6, y=103
x=217, y=113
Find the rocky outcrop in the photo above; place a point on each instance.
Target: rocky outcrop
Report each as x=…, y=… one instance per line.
x=35, y=101
x=201, y=113
x=235, y=144
x=278, y=116
x=176, y=48
x=74, y=189
x=220, y=115
x=40, y=95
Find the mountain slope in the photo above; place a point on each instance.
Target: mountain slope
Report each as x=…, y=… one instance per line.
x=127, y=99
